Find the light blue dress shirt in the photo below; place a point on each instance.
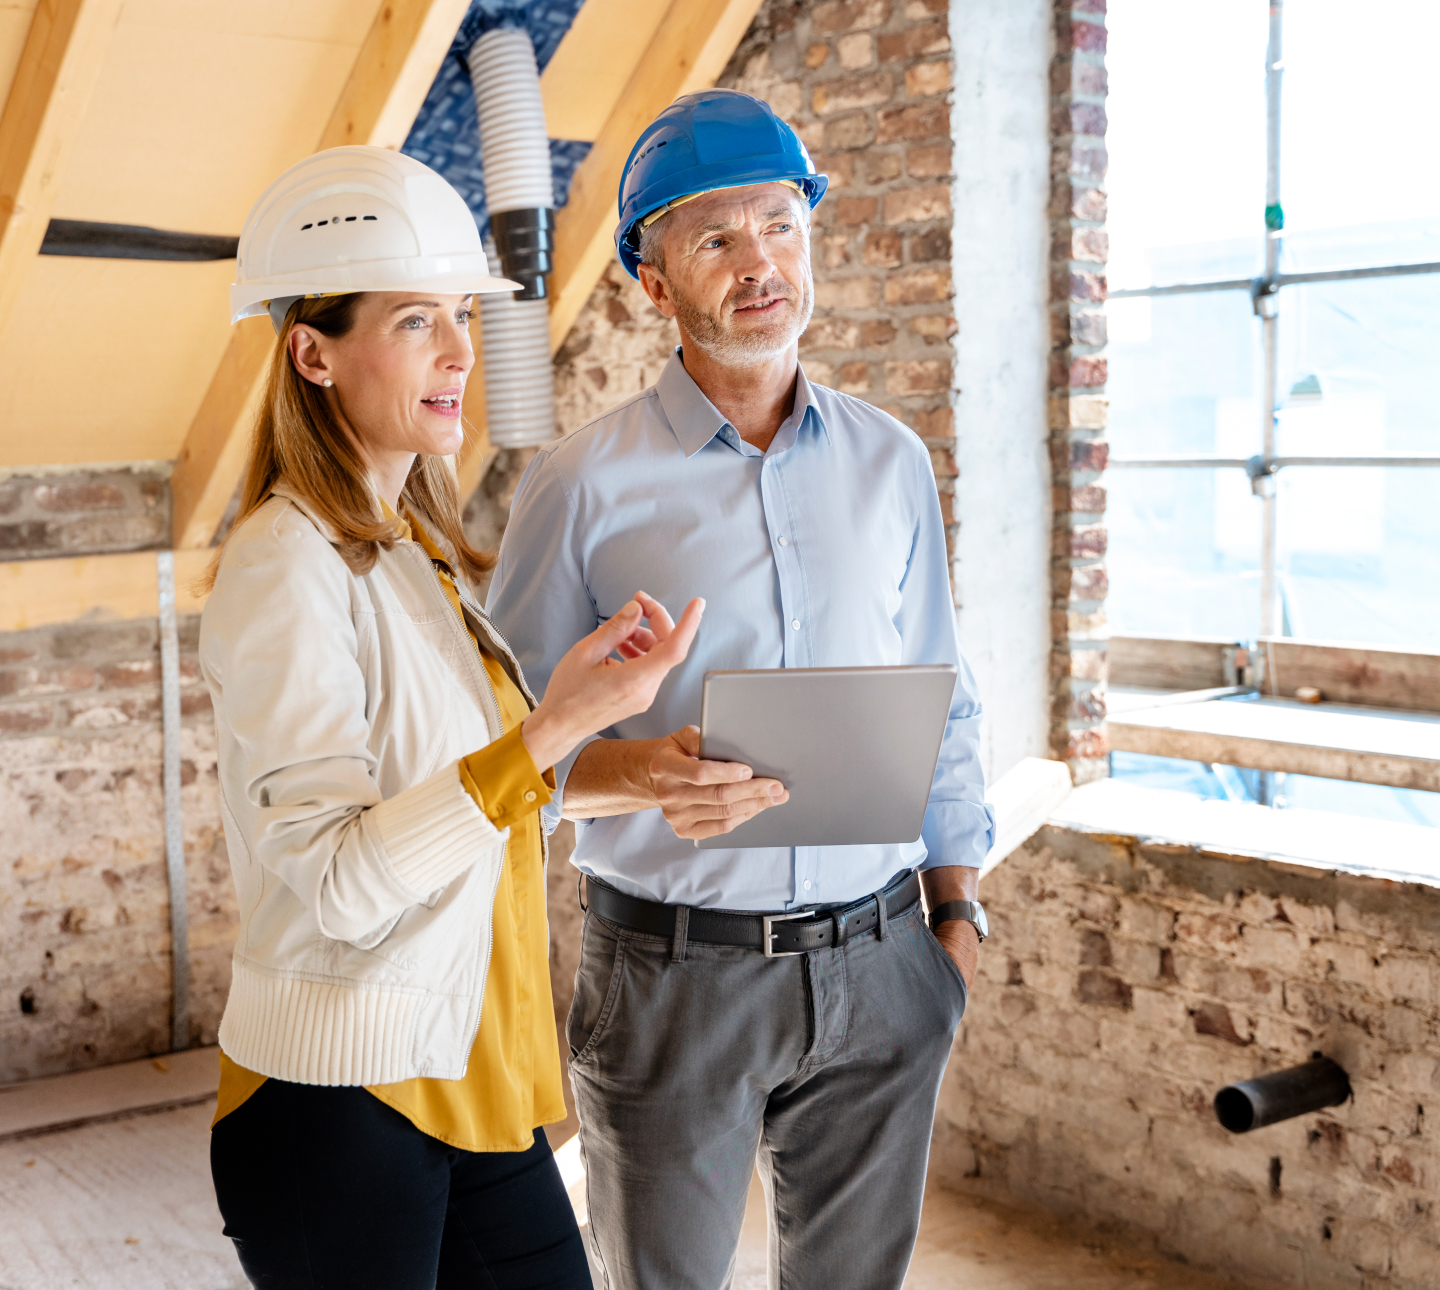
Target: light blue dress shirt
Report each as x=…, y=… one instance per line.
x=828, y=550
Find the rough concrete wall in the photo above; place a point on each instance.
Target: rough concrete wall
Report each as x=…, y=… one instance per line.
x=1001, y=125
x=84, y=903
x=1078, y=408
x=1125, y=983
x=83, y=512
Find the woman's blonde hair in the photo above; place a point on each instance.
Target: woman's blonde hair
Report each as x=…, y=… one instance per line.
x=299, y=441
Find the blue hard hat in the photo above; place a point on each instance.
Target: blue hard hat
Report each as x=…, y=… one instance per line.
x=714, y=139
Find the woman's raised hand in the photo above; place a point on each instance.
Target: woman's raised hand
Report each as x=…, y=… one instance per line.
x=590, y=690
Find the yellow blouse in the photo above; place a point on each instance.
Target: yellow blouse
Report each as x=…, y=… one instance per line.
x=512, y=1082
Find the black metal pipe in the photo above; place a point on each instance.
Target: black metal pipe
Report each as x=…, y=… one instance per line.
x=1281, y=1095
x=85, y=237
x=525, y=242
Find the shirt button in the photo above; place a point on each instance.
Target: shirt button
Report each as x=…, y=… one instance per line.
x=807, y=884
x=795, y=623
x=530, y=794
x=784, y=541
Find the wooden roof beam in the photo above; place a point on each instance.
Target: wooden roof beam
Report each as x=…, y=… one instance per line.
x=688, y=52
x=59, y=66
x=392, y=74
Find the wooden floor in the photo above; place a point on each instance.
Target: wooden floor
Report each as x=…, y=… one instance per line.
x=127, y=1205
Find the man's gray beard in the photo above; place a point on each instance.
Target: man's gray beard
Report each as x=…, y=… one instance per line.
x=740, y=349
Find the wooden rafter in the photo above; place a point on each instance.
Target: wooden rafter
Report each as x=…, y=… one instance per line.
x=36, y=593
x=392, y=74
x=687, y=53
x=58, y=68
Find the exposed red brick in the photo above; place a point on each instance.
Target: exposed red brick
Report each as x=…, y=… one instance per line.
x=1214, y=1019
x=1087, y=118
x=846, y=93
x=1088, y=37
x=25, y=718
x=1090, y=582
x=855, y=131
x=121, y=675
x=1089, y=454
x=815, y=55
x=1095, y=986
x=877, y=334
x=932, y=244
x=881, y=167
x=1089, y=706
x=933, y=328
x=918, y=286
x=883, y=248
x=853, y=378
x=848, y=15
x=78, y=497
x=1088, y=540
x=929, y=161
x=913, y=42
x=926, y=79
x=848, y=293
x=840, y=169
x=1088, y=370
x=1090, y=244
x=917, y=377
x=1088, y=204
x=917, y=121
x=911, y=205
x=855, y=210
x=937, y=423
x=942, y=462
x=831, y=333
x=1087, y=500
x=1082, y=745
x=1089, y=287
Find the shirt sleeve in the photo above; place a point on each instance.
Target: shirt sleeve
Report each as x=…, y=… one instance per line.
x=538, y=597
x=959, y=824
x=504, y=782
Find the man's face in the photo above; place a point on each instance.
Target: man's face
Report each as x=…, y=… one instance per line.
x=736, y=272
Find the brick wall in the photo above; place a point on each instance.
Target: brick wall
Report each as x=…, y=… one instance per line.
x=866, y=84
x=84, y=903
x=1079, y=248
x=83, y=512
x=1125, y=983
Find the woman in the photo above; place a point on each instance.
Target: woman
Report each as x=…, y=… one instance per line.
x=388, y=1046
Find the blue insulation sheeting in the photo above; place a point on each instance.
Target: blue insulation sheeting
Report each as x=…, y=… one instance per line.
x=446, y=136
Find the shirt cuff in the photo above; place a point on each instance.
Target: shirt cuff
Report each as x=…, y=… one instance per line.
x=513, y=787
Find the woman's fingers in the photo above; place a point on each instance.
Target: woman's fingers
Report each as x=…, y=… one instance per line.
x=606, y=638
x=660, y=621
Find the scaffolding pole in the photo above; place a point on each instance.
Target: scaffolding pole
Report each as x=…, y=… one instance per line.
x=1267, y=307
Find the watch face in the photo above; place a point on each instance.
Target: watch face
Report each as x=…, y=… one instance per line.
x=982, y=924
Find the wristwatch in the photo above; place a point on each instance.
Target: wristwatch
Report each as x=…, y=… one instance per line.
x=970, y=911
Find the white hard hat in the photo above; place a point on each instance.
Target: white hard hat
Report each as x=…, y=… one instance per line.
x=357, y=219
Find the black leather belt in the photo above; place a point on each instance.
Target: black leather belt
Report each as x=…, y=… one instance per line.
x=791, y=932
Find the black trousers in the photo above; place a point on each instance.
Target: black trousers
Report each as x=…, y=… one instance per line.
x=330, y=1189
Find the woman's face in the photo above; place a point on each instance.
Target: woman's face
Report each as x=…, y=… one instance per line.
x=399, y=373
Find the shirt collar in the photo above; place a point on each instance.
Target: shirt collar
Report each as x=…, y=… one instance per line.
x=695, y=420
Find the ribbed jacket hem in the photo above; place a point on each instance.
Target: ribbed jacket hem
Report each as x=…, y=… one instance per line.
x=432, y=833
x=319, y=1032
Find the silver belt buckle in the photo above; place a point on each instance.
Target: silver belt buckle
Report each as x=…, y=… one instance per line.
x=768, y=934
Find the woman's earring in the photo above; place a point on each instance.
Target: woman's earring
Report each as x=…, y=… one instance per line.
x=328, y=382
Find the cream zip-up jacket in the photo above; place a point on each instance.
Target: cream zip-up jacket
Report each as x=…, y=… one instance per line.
x=366, y=873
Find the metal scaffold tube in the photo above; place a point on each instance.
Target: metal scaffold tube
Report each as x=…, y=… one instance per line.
x=1267, y=307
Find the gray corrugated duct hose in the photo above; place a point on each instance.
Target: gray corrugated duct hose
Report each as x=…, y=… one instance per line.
x=519, y=194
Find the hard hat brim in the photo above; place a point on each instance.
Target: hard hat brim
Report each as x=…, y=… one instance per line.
x=453, y=275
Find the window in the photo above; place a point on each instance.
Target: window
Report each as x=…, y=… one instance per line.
x=1327, y=528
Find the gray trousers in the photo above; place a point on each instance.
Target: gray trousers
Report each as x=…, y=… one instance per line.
x=827, y=1065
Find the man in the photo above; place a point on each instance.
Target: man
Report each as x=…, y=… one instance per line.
x=809, y=522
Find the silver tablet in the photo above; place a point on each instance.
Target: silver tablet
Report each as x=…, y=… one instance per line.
x=856, y=747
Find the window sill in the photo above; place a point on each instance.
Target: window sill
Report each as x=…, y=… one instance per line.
x=1329, y=740
x=1319, y=839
